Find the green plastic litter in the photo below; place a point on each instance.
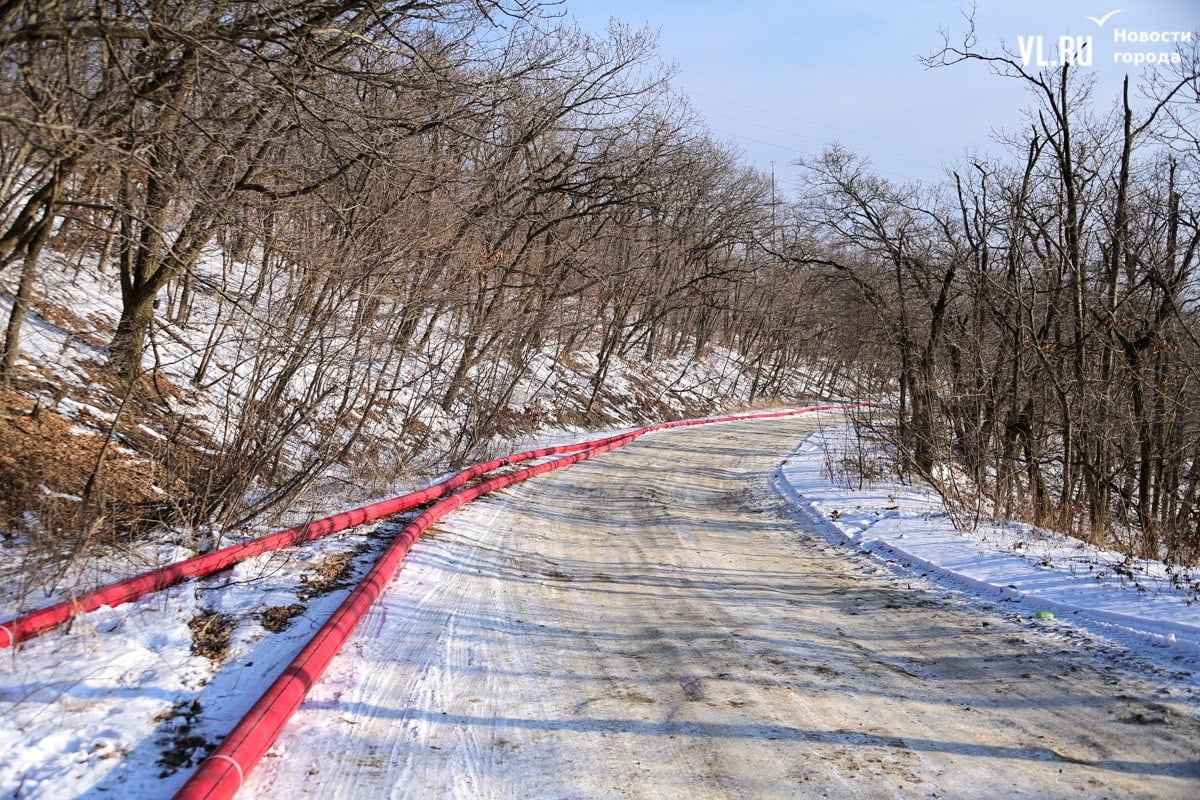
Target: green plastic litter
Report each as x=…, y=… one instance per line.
x=1044, y=615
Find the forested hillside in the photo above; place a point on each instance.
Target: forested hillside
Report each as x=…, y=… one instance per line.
x=270, y=242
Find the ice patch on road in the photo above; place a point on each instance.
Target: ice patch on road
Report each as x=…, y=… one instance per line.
x=909, y=527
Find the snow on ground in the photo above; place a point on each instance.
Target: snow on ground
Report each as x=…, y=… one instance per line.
x=1040, y=571
x=104, y=707
x=118, y=704
x=652, y=624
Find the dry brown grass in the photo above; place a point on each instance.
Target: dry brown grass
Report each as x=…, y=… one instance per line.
x=512, y=423
x=43, y=455
x=57, y=533
x=211, y=632
x=181, y=747
x=278, y=618
x=330, y=573
x=93, y=329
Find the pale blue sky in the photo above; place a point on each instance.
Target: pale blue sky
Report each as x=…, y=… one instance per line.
x=780, y=79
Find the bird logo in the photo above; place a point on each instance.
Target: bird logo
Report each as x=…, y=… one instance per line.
x=1100, y=22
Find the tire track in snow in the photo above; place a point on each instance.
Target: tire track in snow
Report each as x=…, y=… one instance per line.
x=652, y=624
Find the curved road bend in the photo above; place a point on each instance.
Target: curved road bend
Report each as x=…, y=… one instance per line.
x=652, y=623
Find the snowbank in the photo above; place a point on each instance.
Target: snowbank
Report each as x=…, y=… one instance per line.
x=1037, y=570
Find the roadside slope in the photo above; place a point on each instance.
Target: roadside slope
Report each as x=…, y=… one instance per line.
x=652, y=624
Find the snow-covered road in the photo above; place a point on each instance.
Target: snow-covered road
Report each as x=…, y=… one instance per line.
x=653, y=623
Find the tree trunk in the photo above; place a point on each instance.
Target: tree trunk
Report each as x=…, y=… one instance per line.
x=32, y=243
x=129, y=341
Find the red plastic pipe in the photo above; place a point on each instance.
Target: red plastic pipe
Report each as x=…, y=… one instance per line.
x=35, y=623
x=222, y=774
